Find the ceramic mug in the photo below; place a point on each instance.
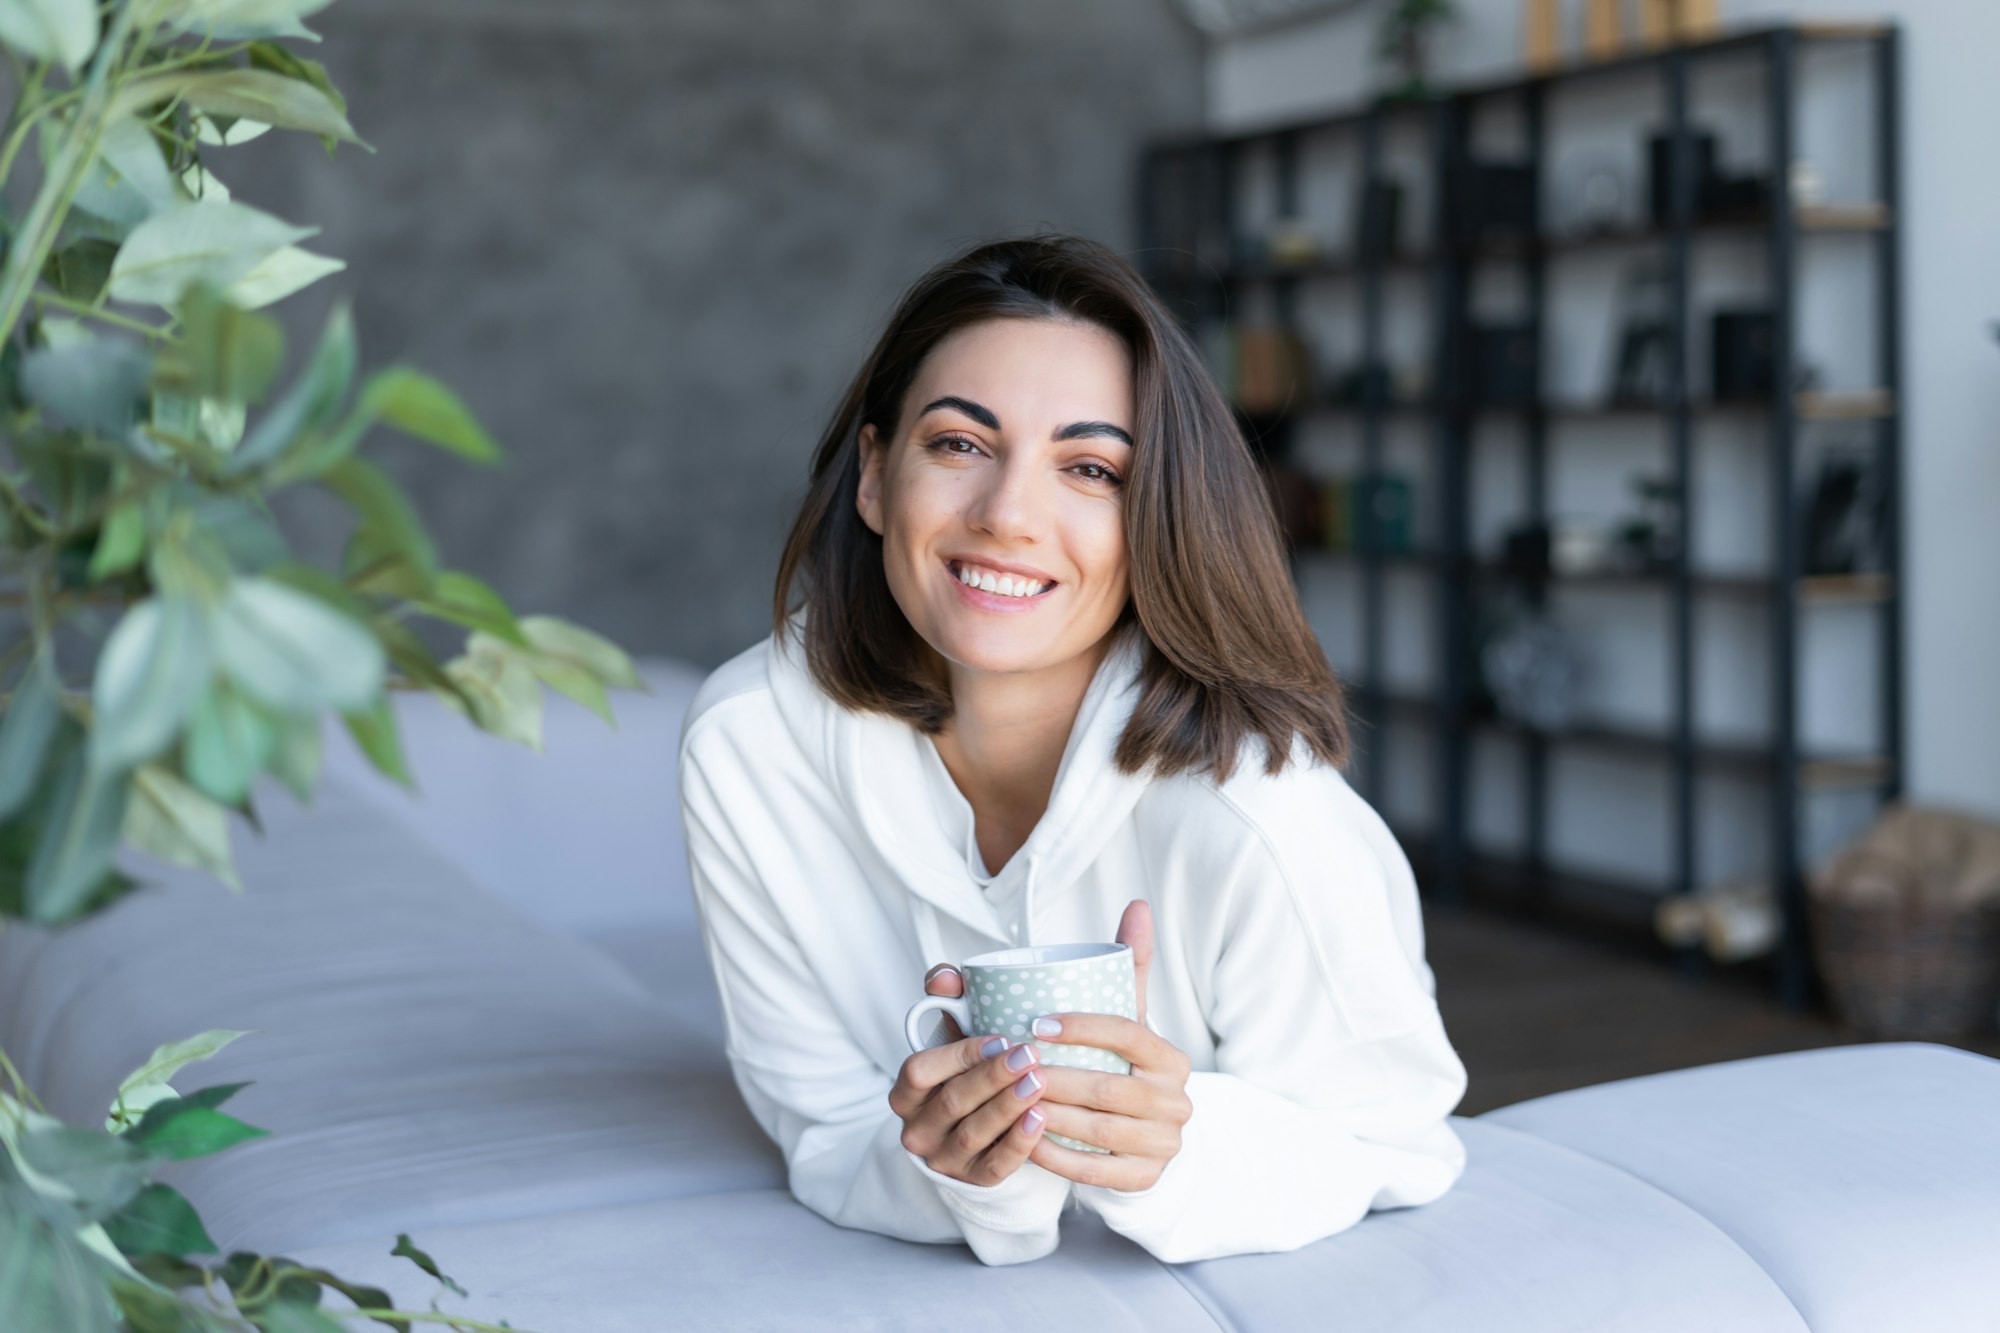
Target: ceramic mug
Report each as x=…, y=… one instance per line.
x=1008, y=989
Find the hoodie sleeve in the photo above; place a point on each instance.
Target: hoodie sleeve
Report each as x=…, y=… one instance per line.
x=1333, y=1075
x=811, y=1086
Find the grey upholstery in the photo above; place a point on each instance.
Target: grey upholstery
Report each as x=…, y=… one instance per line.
x=489, y=1024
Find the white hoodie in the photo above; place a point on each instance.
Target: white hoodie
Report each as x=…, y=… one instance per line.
x=833, y=862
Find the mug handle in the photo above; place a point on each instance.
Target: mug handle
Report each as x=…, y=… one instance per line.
x=913, y=1022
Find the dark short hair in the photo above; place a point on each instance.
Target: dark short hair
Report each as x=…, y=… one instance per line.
x=1229, y=656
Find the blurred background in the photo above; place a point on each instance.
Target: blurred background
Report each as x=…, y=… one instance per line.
x=1647, y=515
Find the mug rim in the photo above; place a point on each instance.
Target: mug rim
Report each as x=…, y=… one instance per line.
x=1094, y=951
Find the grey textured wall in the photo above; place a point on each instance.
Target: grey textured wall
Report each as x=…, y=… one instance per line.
x=650, y=243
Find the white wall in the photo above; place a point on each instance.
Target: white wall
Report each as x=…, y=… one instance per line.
x=1951, y=268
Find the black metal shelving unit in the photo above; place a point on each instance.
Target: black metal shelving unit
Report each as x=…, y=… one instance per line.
x=1188, y=190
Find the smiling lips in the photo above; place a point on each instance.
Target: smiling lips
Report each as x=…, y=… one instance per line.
x=1012, y=586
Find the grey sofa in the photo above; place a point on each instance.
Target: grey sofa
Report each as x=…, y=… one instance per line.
x=485, y=1018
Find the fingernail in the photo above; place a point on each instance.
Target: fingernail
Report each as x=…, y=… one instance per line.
x=992, y=1046
x=1020, y=1058
x=1032, y=1121
x=1047, y=1027
x=1028, y=1086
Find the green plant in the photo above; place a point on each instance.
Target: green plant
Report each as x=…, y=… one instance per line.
x=1404, y=40
x=144, y=432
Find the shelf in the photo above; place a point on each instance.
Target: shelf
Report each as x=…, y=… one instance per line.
x=1819, y=772
x=1817, y=589
x=1815, y=219
x=1846, y=405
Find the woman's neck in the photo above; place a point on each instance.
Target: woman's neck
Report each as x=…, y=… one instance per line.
x=1005, y=742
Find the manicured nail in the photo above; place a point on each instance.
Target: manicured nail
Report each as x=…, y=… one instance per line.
x=1032, y=1121
x=1047, y=1027
x=992, y=1046
x=1020, y=1057
x=1028, y=1086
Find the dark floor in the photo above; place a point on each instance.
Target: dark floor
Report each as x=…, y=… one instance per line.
x=1535, y=1007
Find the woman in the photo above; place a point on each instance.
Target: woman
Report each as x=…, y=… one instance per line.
x=1038, y=671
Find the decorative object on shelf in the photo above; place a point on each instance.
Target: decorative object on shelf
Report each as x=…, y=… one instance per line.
x=1702, y=150
x=1378, y=227
x=1726, y=196
x=1732, y=920
x=1743, y=351
x=1540, y=42
x=1640, y=373
x=1346, y=501
x=1404, y=40
x=1662, y=22
x=1296, y=499
x=1533, y=668
x=1808, y=188
x=1579, y=546
x=1844, y=518
x=1906, y=925
x=1268, y=369
x=1290, y=241
x=1494, y=199
x=1650, y=539
x=1603, y=28
x=1596, y=199
x=1502, y=364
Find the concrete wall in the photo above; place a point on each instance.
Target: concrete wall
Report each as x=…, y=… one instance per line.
x=651, y=242
x=1615, y=815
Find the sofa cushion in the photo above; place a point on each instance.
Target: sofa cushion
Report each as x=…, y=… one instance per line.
x=425, y=1055
x=1864, y=1179
x=757, y=1259
x=1533, y=1237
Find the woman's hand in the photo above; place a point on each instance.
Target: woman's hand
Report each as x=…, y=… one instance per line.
x=1137, y=1116
x=968, y=1107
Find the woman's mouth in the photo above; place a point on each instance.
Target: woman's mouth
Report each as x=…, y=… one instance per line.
x=994, y=591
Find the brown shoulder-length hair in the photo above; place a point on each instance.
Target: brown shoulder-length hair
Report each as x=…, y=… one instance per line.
x=1231, y=658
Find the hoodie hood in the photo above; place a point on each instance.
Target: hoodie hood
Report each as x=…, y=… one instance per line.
x=889, y=778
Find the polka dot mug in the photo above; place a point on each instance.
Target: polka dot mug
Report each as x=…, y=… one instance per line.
x=1007, y=990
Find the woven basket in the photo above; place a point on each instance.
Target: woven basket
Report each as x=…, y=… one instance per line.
x=1900, y=971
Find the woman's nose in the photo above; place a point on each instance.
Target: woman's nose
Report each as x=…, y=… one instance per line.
x=1010, y=505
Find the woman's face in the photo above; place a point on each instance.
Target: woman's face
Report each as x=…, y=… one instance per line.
x=1015, y=440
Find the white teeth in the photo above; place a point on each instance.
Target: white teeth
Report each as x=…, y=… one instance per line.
x=1006, y=585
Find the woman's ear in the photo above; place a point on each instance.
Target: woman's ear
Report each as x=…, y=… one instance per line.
x=868, y=495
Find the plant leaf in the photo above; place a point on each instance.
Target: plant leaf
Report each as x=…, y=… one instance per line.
x=248, y=94
x=73, y=845
x=311, y=402
x=231, y=353
x=211, y=240
x=27, y=728
x=229, y=740
x=190, y=1126
x=405, y=1250
x=98, y=386
x=129, y=180
x=593, y=652
x=505, y=698
x=168, y=1060
x=565, y=677
x=294, y=653
x=121, y=543
x=170, y=819
x=158, y=1220
x=374, y=730
x=48, y=1278
x=464, y=600
x=423, y=407
x=100, y=1171
x=154, y=667
x=387, y=518
x=287, y=270
x=240, y=20
x=296, y=761
x=64, y=31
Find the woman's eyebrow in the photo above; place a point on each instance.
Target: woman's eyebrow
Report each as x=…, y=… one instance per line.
x=1075, y=430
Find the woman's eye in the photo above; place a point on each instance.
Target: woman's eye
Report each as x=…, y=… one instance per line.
x=945, y=442
x=1103, y=473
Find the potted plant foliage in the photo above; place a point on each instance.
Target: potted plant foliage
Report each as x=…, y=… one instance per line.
x=165, y=647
